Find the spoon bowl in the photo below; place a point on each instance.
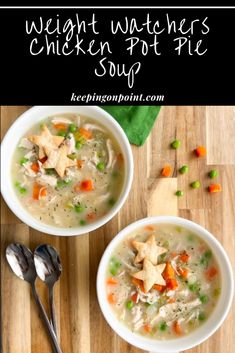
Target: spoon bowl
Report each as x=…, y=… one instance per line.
x=20, y=259
x=47, y=263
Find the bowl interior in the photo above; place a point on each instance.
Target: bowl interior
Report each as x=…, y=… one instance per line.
x=20, y=128
x=205, y=330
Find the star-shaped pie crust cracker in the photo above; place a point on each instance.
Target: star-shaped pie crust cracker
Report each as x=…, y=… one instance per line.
x=46, y=140
x=58, y=160
x=148, y=250
x=151, y=275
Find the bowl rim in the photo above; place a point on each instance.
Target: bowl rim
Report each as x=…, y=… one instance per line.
x=173, y=345
x=24, y=215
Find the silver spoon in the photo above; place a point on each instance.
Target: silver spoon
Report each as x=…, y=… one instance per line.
x=20, y=259
x=48, y=267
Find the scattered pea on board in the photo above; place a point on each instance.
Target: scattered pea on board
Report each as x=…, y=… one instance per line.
x=196, y=184
x=175, y=144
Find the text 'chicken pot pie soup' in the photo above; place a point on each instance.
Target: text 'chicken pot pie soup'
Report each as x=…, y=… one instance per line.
x=162, y=281
x=68, y=171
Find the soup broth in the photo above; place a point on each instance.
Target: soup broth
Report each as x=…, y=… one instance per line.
x=68, y=171
x=163, y=281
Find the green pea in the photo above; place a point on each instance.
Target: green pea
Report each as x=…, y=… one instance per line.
x=72, y=128
x=111, y=201
x=79, y=208
x=63, y=183
x=179, y=193
x=193, y=287
x=82, y=222
x=184, y=169
x=204, y=261
x=196, y=184
x=61, y=133
x=23, y=160
x=129, y=304
x=162, y=326
x=202, y=316
x=22, y=190
x=175, y=144
x=72, y=156
x=208, y=254
x=114, y=266
x=100, y=166
x=78, y=145
x=190, y=237
x=50, y=171
x=213, y=174
x=204, y=298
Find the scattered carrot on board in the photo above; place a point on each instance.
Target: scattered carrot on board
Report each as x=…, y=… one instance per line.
x=138, y=283
x=80, y=163
x=43, y=160
x=111, y=298
x=86, y=185
x=200, y=151
x=183, y=272
x=184, y=257
x=176, y=327
x=112, y=281
x=171, y=284
x=211, y=273
x=35, y=167
x=149, y=228
x=85, y=133
x=147, y=328
x=166, y=171
x=60, y=126
x=215, y=188
x=135, y=297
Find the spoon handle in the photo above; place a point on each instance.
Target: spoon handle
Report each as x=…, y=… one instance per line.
x=50, y=331
x=52, y=308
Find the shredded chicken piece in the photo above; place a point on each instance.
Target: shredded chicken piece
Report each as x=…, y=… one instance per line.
x=28, y=171
x=150, y=297
x=62, y=120
x=92, y=127
x=30, y=154
x=78, y=120
x=25, y=143
x=170, y=293
x=174, y=265
x=70, y=142
x=136, y=313
x=173, y=311
x=101, y=198
x=110, y=154
x=47, y=180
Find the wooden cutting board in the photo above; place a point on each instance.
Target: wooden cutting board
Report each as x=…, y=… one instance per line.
x=82, y=328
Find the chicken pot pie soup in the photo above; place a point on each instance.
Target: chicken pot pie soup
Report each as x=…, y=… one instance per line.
x=68, y=171
x=163, y=281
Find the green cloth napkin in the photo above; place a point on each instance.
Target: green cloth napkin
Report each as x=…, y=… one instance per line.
x=136, y=121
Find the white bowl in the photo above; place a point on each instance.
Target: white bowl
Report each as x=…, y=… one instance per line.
x=204, y=331
x=20, y=128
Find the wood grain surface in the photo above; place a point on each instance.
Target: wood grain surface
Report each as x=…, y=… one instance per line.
x=81, y=326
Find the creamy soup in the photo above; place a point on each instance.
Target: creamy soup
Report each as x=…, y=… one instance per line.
x=68, y=171
x=163, y=281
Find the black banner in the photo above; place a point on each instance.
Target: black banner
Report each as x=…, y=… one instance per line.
x=58, y=56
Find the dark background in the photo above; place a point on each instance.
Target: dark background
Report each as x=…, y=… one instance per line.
x=182, y=79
